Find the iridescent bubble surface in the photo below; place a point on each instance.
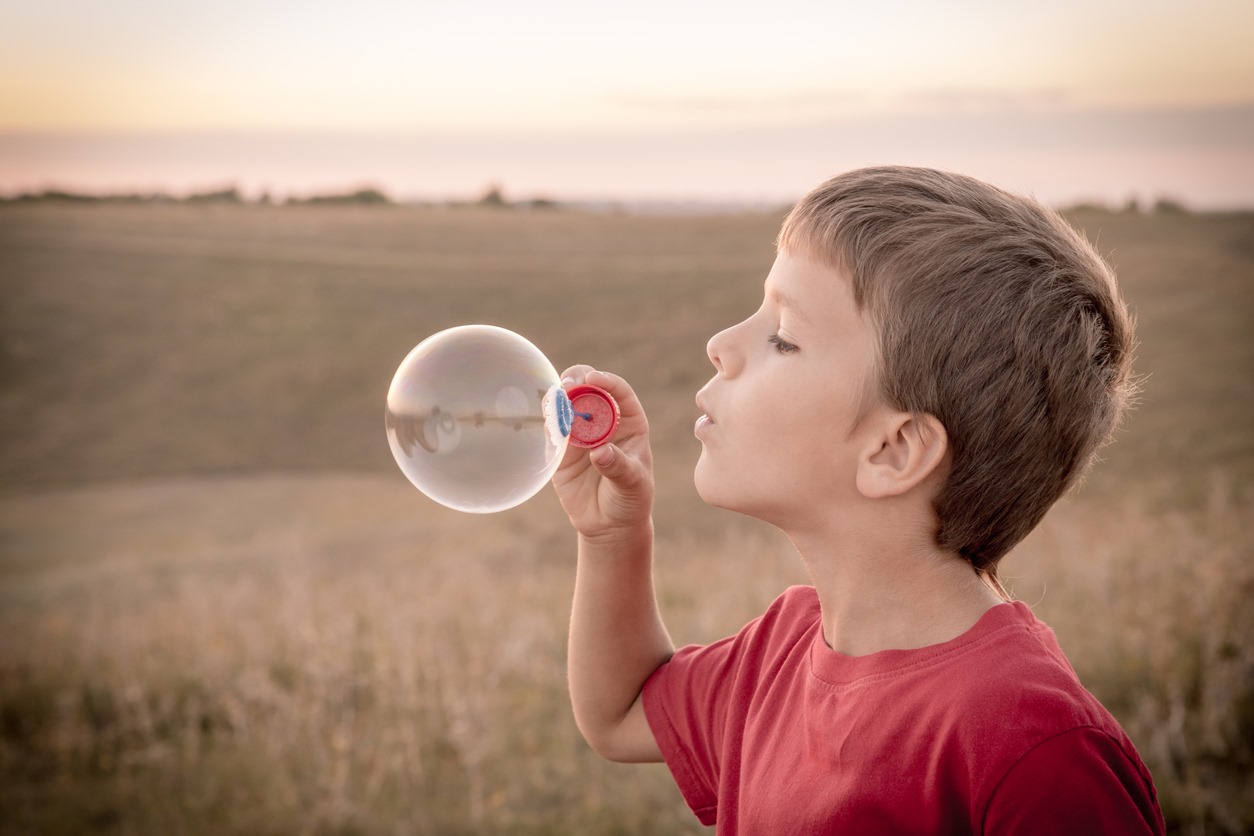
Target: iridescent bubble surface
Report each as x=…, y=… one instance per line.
x=466, y=418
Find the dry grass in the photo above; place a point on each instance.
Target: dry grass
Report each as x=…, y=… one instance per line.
x=326, y=668
x=397, y=669
x=223, y=611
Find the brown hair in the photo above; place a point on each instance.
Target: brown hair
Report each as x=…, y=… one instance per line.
x=993, y=315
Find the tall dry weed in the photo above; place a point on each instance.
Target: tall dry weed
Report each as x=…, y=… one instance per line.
x=1154, y=610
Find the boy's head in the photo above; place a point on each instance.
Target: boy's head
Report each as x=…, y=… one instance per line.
x=993, y=315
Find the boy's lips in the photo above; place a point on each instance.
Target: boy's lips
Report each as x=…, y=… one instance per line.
x=705, y=420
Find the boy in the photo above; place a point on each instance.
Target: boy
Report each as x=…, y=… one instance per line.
x=934, y=363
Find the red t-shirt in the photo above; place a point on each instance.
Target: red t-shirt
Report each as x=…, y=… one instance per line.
x=772, y=732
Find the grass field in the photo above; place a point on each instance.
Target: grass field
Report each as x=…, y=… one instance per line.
x=223, y=609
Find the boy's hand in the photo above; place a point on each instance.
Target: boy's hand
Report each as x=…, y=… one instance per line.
x=608, y=489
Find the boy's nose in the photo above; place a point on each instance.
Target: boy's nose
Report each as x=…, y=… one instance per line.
x=717, y=349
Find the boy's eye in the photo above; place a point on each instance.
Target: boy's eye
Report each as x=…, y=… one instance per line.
x=781, y=346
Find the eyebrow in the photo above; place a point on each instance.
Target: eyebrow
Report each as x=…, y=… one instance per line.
x=786, y=302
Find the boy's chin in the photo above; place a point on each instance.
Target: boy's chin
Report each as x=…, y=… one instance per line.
x=705, y=483
x=714, y=492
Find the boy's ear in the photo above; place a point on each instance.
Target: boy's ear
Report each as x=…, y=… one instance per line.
x=903, y=452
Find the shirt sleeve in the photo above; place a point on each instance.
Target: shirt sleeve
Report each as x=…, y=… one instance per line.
x=696, y=702
x=1078, y=782
x=686, y=710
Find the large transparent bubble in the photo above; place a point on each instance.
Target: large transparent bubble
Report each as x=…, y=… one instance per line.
x=466, y=418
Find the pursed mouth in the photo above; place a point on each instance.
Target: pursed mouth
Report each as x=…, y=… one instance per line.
x=705, y=421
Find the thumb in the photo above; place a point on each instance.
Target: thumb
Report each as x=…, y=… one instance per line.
x=611, y=463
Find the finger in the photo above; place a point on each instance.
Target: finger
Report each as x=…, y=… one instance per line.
x=575, y=375
x=613, y=464
x=629, y=407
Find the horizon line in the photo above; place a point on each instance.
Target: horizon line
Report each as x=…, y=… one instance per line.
x=372, y=195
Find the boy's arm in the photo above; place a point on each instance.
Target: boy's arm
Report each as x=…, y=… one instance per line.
x=617, y=639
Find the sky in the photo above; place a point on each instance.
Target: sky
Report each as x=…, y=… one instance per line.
x=669, y=100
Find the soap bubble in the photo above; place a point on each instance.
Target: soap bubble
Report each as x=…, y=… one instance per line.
x=466, y=418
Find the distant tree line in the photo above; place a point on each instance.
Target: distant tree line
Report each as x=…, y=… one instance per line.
x=224, y=196
x=1133, y=206
x=493, y=198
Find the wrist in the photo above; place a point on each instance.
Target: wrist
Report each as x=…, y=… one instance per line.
x=617, y=539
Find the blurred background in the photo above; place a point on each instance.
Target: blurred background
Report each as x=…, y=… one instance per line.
x=222, y=607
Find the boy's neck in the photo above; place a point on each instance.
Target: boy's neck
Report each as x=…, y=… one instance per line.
x=883, y=593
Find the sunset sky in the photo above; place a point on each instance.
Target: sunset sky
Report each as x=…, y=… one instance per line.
x=728, y=101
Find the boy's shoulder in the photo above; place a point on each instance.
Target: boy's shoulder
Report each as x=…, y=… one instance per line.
x=995, y=694
x=1007, y=671
x=1003, y=685
x=987, y=717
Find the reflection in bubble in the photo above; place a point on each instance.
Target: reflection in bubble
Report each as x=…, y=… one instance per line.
x=465, y=418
